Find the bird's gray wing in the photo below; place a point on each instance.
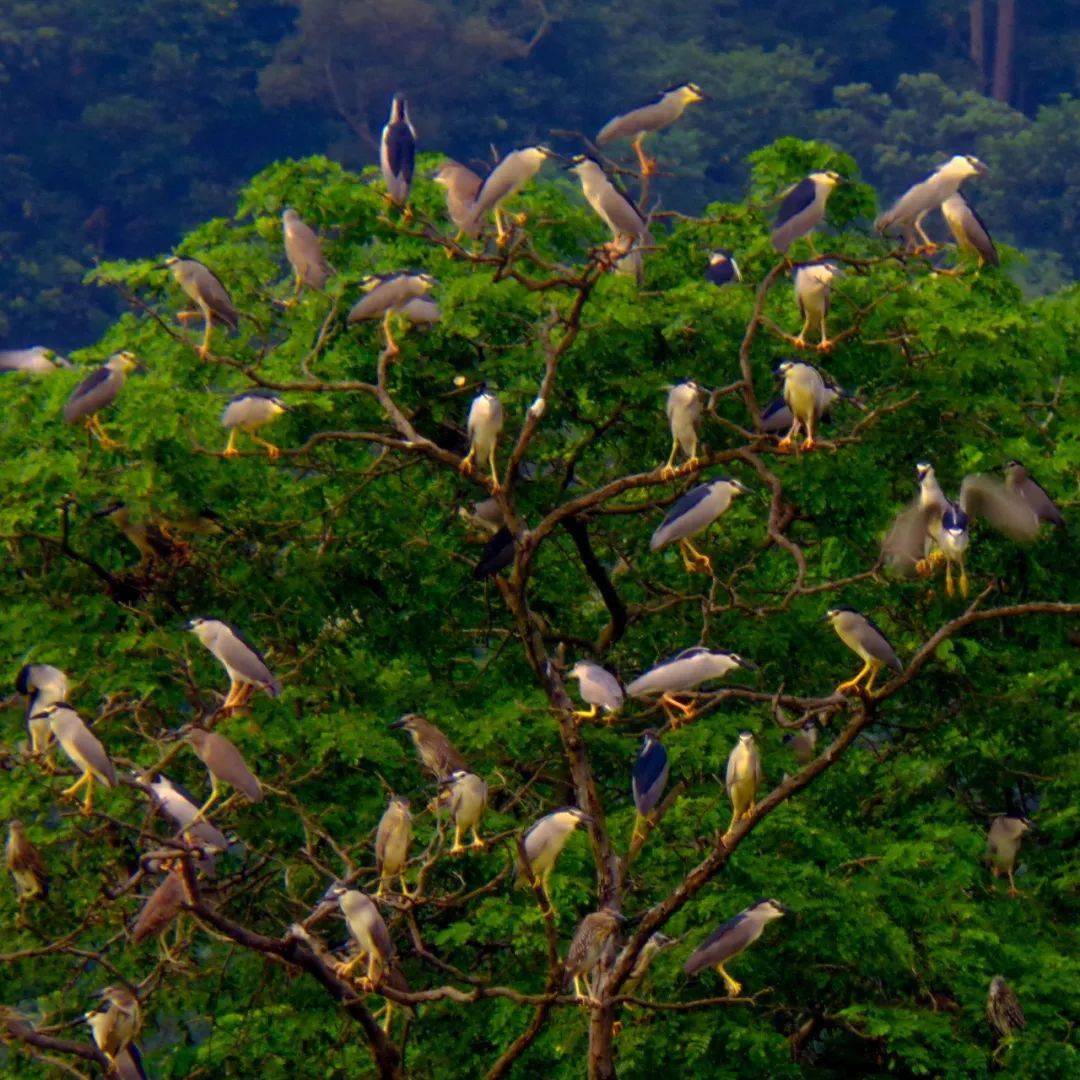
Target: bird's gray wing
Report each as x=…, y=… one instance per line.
x=305, y=254
x=1031, y=491
x=979, y=235
x=728, y=939
x=217, y=298
x=380, y=937
x=244, y=658
x=229, y=765
x=729, y=772
x=494, y=189
x=89, y=746
x=986, y=497
x=905, y=543
x=93, y=393
x=620, y=127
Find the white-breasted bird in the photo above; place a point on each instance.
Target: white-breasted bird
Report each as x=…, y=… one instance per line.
x=504, y=181
x=663, y=110
x=244, y=663
x=868, y=641
x=808, y=393
x=693, y=513
x=397, y=151
x=1003, y=845
x=84, y=749
x=368, y=930
x=969, y=230
x=98, y=390
x=484, y=425
x=684, y=671
x=392, y=841
x=116, y=1023
x=543, y=844
x=599, y=689
x=462, y=186
x=386, y=294
x=212, y=299
x=41, y=685
x=685, y=402
x=466, y=794
x=613, y=206
x=812, y=283
x=743, y=777
x=803, y=208
x=249, y=411
x=36, y=360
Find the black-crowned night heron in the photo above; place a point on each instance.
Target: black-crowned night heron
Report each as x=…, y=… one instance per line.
x=656, y=944
x=484, y=425
x=392, y=840
x=498, y=554
x=614, y=207
x=436, y=752
x=1003, y=845
x=25, y=865
x=587, y=947
x=248, y=412
x=367, y=929
x=421, y=311
x=808, y=393
x=505, y=180
x=663, y=110
x=223, y=762
x=1003, y=1012
x=722, y=268
x=84, y=749
x=115, y=1023
x=183, y=811
x=41, y=685
x=128, y=1064
x=544, y=841
x=685, y=402
x=686, y=670
x=649, y=777
x=803, y=209
x=304, y=252
x=693, y=513
x=969, y=230
x=462, y=186
x=466, y=795
x=868, y=641
x=397, y=151
x=211, y=298
x=244, y=663
x=933, y=529
x=485, y=516
x=98, y=390
x=1018, y=481
x=907, y=213
x=37, y=360
x=386, y=294
x=812, y=283
x=743, y=777
x=803, y=743
x=599, y=689
x=732, y=938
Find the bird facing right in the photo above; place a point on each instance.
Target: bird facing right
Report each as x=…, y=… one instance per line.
x=732, y=938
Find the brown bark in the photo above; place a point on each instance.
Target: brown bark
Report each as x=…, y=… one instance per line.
x=602, y=1044
x=1004, y=48
x=977, y=23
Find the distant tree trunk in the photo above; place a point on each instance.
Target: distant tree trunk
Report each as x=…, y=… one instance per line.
x=1004, y=49
x=977, y=22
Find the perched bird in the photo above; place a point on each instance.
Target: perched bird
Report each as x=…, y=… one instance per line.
x=1003, y=1012
x=599, y=689
x=211, y=298
x=587, y=947
x=803, y=743
x=242, y=661
x=392, y=840
x=41, y=685
x=116, y=1022
x=693, y=513
x=933, y=529
x=25, y=865
x=98, y=390
x=498, y=554
x=37, y=360
x=223, y=762
x=248, y=412
x=665, y=109
x=397, y=151
x=467, y=796
x=462, y=186
x=732, y=938
x=743, y=777
x=149, y=539
x=969, y=230
x=777, y=417
x=437, y=753
x=83, y=748
x=1018, y=481
x=813, y=285
x=686, y=670
x=543, y=844
x=421, y=311
x=484, y=424
x=162, y=906
x=656, y=944
x=865, y=638
x=908, y=211
x=386, y=294
x=304, y=252
x=722, y=268
x=685, y=402
x=613, y=206
x=1003, y=845
x=650, y=777
x=505, y=180
x=368, y=930
x=182, y=810
x=808, y=393
x=486, y=515
x=803, y=209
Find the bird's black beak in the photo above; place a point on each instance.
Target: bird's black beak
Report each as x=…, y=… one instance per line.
x=105, y=511
x=398, y=723
x=748, y=664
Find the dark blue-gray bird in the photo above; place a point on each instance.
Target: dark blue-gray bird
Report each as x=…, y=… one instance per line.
x=722, y=268
x=211, y=298
x=248, y=412
x=686, y=670
x=663, y=110
x=37, y=360
x=599, y=689
x=1003, y=845
x=304, y=252
x=397, y=151
x=743, y=777
x=685, y=402
x=498, y=554
x=803, y=208
x=649, y=778
x=812, y=283
x=732, y=938
x=808, y=393
x=868, y=641
x=1003, y=1012
x=544, y=841
x=693, y=513
x=1018, y=481
x=969, y=230
x=41, y=685
x=98, y=390
x=244, y=663
x=591, y=938
x=505, y=180
x=386, y=294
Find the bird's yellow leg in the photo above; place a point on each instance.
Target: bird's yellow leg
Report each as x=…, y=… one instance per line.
x=88, y=802
x=668, y=470
x=669, y=702
x=545, y=888
x=785, y=444
x=577, y=988
x=347, y=967
x=466, y=465
x=800, y=338
x=458, y=845
x=585, y=714
x=874, y=670
x=99, y=433
x=844, y=687
x=949, y=589
x=926, y=566
x=702, y=561
x=404, y=886
x=208, y=327
x=78, y=785
x=391, y=345
x=231, y=697
x=731, y=984
x=230, y=447
x=477, y=839
x=495, y=485
x=1013, y=890
x=215, y=794
x=500, y=229
x=808, y=442
x=964, y=583
x=272, y=452
x=825, y=342
x=648, y=166
x=389, y=1004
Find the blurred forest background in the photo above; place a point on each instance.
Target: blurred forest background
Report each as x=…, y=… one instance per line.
x=122, y=124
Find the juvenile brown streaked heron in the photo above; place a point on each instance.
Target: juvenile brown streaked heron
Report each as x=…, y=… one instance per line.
x=462, y=186
x=116, y=1022
x=685, y=402
x=969, y=230
x=722, y=269
x=1018, y=481
x=686, y=670
x=803, y=209
x=868, y=641
x=543, y=844
x=368, y=930
x=466, y=794
x=808, y=393
x=1003, y=1011
x=484, y=425
x=160, y=909
x=41, y=685
x=98, y=390
x=503, y=182
x=599, y=689
x=392, y=840
x=812, y=283
x=386, y=294
x=223, y=762
x=587, y=947
x=662, y=111
x=649, y=778
x=743, y=777
x=1003, y=846
x=84, y=749
x=304, y=252
x=436, y=752
x=211, y=298
x=730, y=939
x=397, y=151
x=249, y=411
x=693, y=513
x=147, y=537
x=25, y=865
x=37, y=360
x=244, y=663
